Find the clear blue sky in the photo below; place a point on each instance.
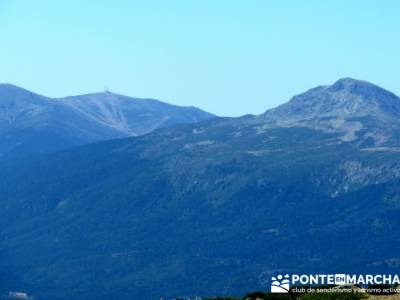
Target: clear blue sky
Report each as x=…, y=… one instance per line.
x=225, y=56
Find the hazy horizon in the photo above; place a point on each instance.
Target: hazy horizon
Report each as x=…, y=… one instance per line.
x=228, y=58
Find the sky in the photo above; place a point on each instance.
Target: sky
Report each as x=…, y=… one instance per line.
x=225, y=56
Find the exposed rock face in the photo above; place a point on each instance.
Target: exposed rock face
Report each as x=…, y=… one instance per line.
x=347, y=98
x=357, y=110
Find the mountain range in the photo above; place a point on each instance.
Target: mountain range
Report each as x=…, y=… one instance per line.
x=33, y=124
x=216, y=207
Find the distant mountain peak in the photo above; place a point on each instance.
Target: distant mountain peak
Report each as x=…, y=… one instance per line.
x=31, y=123
x=348, y=83
x=354, y=109
x=360, y=87
x=8, y=87
x=16, y=96
x=347, y=97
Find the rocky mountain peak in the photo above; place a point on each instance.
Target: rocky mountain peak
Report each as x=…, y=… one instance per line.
x=347, y=97
x=353, y=85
